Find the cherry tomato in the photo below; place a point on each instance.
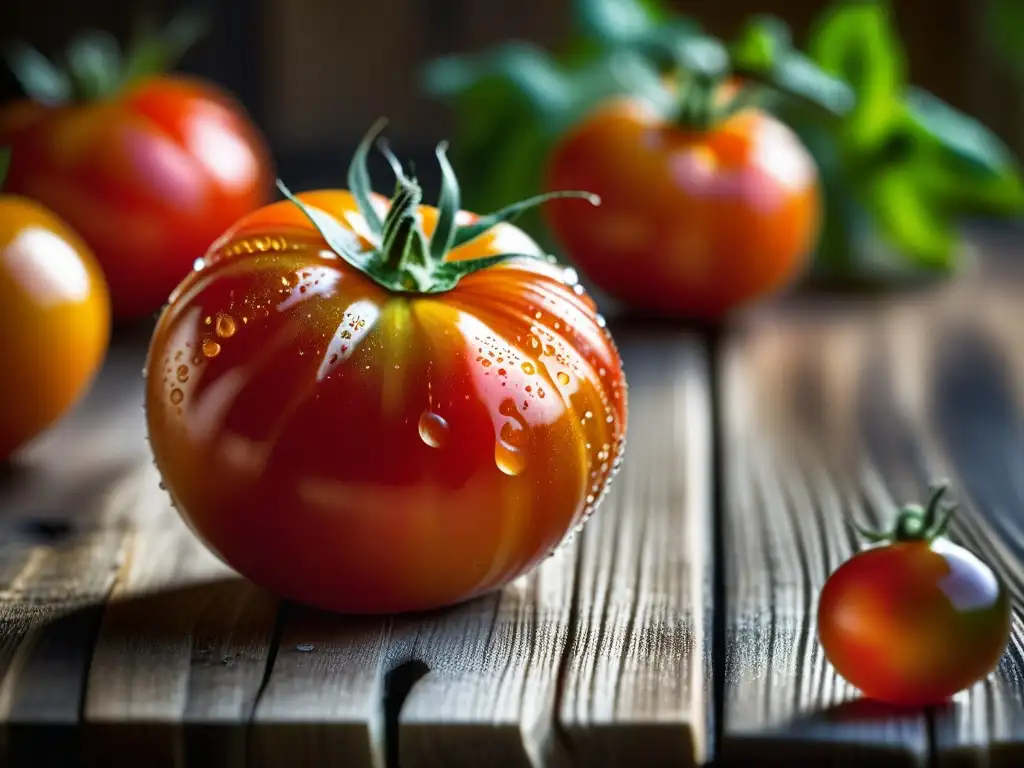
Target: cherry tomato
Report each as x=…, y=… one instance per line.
x=363, y=422
x=149, y=175
x=54, y=320
x=693, y=222
x=916, y=619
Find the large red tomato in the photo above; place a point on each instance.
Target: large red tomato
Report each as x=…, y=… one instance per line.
x=382, y=412
x=918, y=619
x=694, y=221
x=148, y=171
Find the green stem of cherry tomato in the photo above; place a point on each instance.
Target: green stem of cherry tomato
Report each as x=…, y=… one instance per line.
x=914, y=523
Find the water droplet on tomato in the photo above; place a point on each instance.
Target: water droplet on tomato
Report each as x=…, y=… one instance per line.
x=433, y=429
x=207, y=320
x=570, y=276
x=533, y=342
x=226, y=326
x=502, y=372
x=601, y=323
x=563, y=378
x=528, y=369
x=177, y=396
x=182, y=373
x=549, y=350
x=485, y=363
x=199, y=264
x=211, y=348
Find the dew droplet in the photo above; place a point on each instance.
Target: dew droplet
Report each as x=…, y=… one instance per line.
x=207, y=320
x=563, y=378
x=196, y=360
x=534, y=342
x=433, y=429
x=199, y=264
x=225, y=326
x=211, y=348
x=508, y=450
x=502, y=372
x=528, y=369
x=570, y=276
x=182, y=373
x=177, y=396
x=485, y=363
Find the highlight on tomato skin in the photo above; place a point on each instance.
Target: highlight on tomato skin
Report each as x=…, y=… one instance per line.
x=916, y=619
x=148, y=167
x=372, y=406
x=696, y=222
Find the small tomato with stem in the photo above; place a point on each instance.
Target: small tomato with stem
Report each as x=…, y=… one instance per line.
x=54, y=318
x=373, y=406
x=917, y=618
x=149, y=168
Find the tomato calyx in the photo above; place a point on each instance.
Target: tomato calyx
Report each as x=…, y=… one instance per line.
x=916, y=523
x=401, y=258
x=5, y=165
x=95, y=66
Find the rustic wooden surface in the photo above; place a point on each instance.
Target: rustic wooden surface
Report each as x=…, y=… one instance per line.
x=677, y=628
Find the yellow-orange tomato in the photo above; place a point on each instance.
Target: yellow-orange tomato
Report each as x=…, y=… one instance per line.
x=54, y=320
x=362, y=449
x=693, y=223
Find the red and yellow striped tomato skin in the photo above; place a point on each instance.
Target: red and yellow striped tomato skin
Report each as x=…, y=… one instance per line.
x=363, y=451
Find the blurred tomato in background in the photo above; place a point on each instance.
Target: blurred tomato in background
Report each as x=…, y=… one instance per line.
x=148, y=167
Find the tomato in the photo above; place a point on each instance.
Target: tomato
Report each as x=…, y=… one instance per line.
x=149, y=174
x=694, y=222
x=54, y=320
x=365, y=422
x=916, y=619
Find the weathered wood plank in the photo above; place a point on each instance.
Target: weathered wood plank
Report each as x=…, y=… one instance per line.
x=181, y=651
x=962, y=396
x=794, y=463
x=493, y=666
x=323, y=702
x=635, y=680
x=65, y=500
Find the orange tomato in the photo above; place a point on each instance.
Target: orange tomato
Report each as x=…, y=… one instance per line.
x=149, y=175
x=399, y=428
x=693, y=222
x=916, y=620
x=54, y=320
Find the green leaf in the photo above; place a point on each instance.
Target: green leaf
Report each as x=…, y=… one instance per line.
x=344, y=243
x=153, y=51
x=857, y=41
x=359, y=178
x=908, y=220
x=5, y=164
x=94, y=60
x=472, y=231
x=1004, y=21
x=961, y=134
x=448, y=205
x=38, y=76
x=450, y=272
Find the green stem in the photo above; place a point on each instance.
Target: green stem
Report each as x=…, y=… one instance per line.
x=5, y=165
x=914, y=523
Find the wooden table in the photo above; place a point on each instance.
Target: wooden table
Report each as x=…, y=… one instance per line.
x=677, y=629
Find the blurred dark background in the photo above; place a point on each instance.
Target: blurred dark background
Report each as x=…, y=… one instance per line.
x=316, y=73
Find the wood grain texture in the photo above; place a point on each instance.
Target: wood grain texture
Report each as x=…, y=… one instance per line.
x=491, y=674
x=793, y=467
x=961, y=400
x=636, y=679
x=181, y=651
x=851, y=411
x=64, y=505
